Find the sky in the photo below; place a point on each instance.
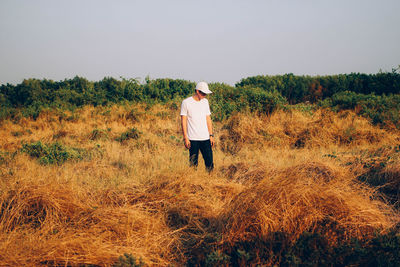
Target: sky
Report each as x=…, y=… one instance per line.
x=208, y=40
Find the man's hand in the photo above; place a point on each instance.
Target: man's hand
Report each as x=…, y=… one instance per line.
x=184, y=131
x=210, y=130
x=187, y=143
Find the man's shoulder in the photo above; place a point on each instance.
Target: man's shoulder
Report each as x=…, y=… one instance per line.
x=204, y=102
x=187, y=100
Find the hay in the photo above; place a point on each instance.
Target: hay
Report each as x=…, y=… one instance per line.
x=299, y=198
x=141, y=197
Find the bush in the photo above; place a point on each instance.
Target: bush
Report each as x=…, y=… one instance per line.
x=54, y=153
x=32, y=95
x=97, y=134
x=382, y=250
x=217, y=258
x=224, y=101
x=314, y=88
x=163, y=90
x=260, y=93
x=4, y=157
x=127, y=260
x=310, y=249
x=227, y=100
x=132, y=133
x=381, y=109
x=263, y=101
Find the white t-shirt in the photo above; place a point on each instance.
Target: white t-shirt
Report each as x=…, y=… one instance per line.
x=196, y=112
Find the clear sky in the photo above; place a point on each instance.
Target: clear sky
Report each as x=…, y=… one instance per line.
x=211, y=40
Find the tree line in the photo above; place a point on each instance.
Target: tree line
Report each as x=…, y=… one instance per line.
x=314, y=88
x=376, y=96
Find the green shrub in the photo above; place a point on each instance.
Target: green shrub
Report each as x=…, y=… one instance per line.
x=262, y=101
x=217, y=258
x=224, y=101
x=310, y=249
x=314, y=88
x=4, y=156
x=303, y=107
x=260, y=94
x=127, y=260
x=382, y=250
x=32, y=111
x=132, y=133
x=17, y=133
x=54, y=153
x=227, y=100
x=380, y=109
x=7, y=112
x=97, y=134
x=132, y=115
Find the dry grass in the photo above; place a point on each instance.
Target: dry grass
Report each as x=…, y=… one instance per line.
x=301, y=198
x=140, y=197
x=298, y=130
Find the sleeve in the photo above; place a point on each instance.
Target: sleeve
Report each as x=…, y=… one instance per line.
x=184, y=108
x=208, y=112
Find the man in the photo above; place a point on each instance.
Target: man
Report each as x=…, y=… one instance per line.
x=197, y=126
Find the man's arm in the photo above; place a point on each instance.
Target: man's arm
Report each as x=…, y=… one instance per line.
x=184, y=131
x=210, y=129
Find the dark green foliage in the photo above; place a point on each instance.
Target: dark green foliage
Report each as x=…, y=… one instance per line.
x=381, y=109
x=227, y=100
x=17, y=134
x=307, y=88
x=294, y=88
x=303, y=107
x=382, y=250
x=132, y=133
x=378, y=94
x=54, y=153
x=127, y=260
x=97, y=134
x=33, y=95
x=263, y=101
x=166, y=89
x=32, y=111
x=310, y=249
x=224, y=101
x=7, y=110
x=4, y=157
x=111, y=89
x=217, y=258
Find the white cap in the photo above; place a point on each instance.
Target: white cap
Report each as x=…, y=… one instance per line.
x=203, y=86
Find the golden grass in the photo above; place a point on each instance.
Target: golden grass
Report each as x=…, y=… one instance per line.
x=140, y=196
x=300, y=198
x=298, y=130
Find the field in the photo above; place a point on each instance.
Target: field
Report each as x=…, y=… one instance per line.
x=111, y=185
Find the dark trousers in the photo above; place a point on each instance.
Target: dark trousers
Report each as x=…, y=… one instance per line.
x=206, y=151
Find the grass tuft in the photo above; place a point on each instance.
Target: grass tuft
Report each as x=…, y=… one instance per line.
x=132, y=133
x=54, y=153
